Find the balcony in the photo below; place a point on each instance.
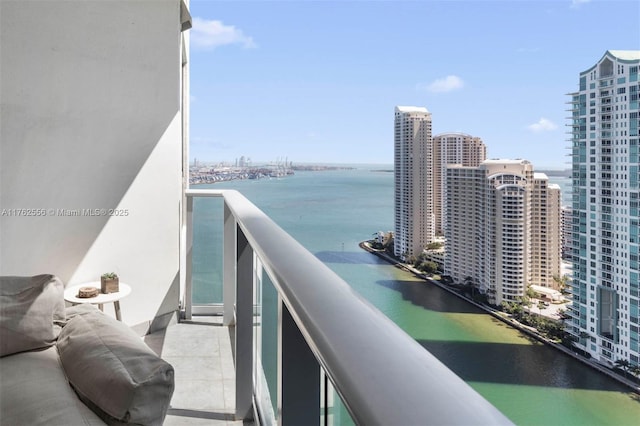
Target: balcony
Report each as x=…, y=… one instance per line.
x=304, y=343
x=201, y=352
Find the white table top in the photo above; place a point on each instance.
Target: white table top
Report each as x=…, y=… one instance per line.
x=71, y=294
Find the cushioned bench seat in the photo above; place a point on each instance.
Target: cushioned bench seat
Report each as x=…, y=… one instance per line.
x=73, y=366
x=34, y=390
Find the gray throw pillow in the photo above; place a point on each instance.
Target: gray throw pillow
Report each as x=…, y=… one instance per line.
x=111, y=368
x=32, y=310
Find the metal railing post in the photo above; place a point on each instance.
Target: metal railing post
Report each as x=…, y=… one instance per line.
x=188, y=291
x=244, y=328
x=229, y=267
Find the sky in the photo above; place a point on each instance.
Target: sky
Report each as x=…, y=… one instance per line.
x=318, y=81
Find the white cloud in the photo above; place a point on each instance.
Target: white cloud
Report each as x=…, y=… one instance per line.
x=577, y=3
x=209, y=34
x=543, y=125
x=441, y=85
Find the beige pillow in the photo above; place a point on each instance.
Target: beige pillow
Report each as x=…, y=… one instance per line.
x=31, y=312
x=111, y=368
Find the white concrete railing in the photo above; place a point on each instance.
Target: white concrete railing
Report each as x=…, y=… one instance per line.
x=382, y=375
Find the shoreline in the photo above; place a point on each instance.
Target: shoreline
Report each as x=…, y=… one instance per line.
x=634, y=387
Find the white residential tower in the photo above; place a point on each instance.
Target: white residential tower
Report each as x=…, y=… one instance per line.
x=413, y=161
x=452, y=148
x=502, y=228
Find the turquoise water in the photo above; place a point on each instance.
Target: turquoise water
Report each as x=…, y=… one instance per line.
x=330, y=212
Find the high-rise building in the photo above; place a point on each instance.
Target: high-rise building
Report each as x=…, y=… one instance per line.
x=452, y=148
x=604, y=142
x=502, y=228
x=413, y=174
x=546, y=232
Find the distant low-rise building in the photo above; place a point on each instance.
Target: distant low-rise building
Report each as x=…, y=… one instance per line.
x=384, y=238
x=435, y=252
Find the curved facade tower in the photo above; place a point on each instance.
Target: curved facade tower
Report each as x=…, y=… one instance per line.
x=502, y=224
x=605, y=245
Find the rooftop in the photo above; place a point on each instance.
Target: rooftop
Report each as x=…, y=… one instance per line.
x=627, y=55
x=412, y=109
x=505, y=161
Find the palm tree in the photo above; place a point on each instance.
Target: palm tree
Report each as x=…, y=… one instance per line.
x=433, y=246
x=470, y=282
x=524, y=301
x=624, y=364
x=562, y=282
x=583, y=336
x=635, y=370
x=491, y=293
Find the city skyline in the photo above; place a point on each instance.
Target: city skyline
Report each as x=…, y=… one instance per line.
x=317, y=81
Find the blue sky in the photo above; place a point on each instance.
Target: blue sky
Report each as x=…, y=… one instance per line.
x=317, y=81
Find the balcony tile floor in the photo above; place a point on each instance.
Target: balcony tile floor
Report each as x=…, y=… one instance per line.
x=200, y=351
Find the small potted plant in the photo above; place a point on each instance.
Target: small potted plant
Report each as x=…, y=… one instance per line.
x=109, y=283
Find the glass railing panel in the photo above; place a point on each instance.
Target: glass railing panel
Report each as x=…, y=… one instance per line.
x=268, y=356
x=207, y=250
x=333, y=411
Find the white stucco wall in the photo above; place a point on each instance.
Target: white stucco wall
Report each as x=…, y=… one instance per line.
x=91, y=119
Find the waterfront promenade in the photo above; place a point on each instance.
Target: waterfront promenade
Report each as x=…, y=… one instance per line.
x=504, y=317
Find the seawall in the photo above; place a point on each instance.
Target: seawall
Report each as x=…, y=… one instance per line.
x=529, y=331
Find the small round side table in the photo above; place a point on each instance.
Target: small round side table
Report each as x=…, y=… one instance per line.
x=71, y=295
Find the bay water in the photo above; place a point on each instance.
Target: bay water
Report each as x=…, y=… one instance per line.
x=330, y=212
